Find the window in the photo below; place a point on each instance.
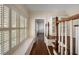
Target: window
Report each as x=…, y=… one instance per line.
x=17, y=31
x=25, y=33
x=6, y=17
x=25, y=22
x=25, y=28
x=0, y=27
x=6, y=41
x=13, y=38
x=22, y=28
x=22, y=35
x=13, y=18
x=4, y=33
x=0, y=42
x=22, y=21
x=13, y=31
x=0, y=15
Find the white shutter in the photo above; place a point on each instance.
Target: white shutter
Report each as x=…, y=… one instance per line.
x=0, y=42
x=25, y=28
x=5, y=41
x=13, y=18
x=22, y=21
x=22, y=28
x=0, y=14
x=25, y=23
x=6, y=17
x=22, y=35
x=0, y=28
x=25, y=33
x=13, y=37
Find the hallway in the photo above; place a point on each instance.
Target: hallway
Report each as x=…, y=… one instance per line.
x=39, y=29
x=27, y=29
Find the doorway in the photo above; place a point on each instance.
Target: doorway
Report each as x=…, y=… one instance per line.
x=39, y=29
x=77, y=39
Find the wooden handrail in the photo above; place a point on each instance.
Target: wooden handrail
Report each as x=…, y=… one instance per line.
x=74, y=17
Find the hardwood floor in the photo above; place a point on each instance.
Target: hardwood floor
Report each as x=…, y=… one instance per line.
x=39, y=49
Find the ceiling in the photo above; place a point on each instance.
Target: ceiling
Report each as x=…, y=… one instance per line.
x=51, y=7
x=61, y=9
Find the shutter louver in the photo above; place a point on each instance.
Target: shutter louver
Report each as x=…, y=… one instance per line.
x=0, y=14
x=25, y=28
x=6, y=17
x=0, y=42
x=13, y=29
x=13, y=18
x=22, y=35
x=6, y=41
x=0, y=28
x=22, y=21
x=4, y=34
x=13, y=43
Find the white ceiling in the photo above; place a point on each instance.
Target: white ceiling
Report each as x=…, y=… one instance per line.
x=61, y=9
x=50, y=7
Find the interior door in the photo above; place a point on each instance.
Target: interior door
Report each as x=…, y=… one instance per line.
x=77, y=40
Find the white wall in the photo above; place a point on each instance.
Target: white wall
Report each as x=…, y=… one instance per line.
x=36, y=29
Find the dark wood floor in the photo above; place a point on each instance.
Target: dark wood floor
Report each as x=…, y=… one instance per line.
x=39, y=49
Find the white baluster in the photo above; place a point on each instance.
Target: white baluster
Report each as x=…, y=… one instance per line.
x=59, y=34
x=71, y=37
x=62, y=39
x=65, y=38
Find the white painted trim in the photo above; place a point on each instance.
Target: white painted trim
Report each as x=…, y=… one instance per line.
x=65, y=38
x=62, y=39
x=51, y=40
x=48, y=50
x=59, y=34
x=53, y=45
x=54, y=52
x=71, y=37
x=76, y=43
x=62, y=44
x=47, y=44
